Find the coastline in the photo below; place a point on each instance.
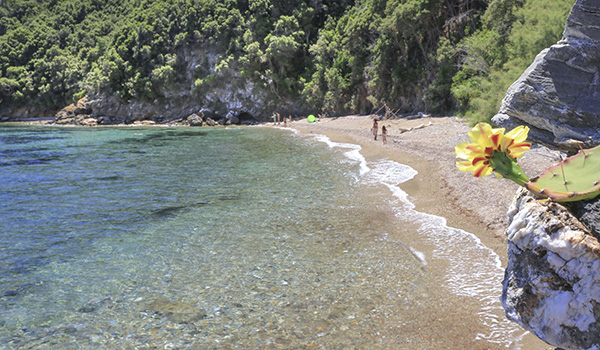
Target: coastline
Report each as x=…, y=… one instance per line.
x=475, y=205
x=426, y=144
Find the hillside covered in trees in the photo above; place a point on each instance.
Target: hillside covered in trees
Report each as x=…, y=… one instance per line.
x=297, y=56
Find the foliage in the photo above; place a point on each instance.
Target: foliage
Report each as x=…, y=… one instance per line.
x=513, y=32
x=339, y=55
x=54, y=52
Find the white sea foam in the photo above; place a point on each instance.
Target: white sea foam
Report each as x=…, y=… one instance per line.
x=474, y=270
x=419, y=255
x=353, y=154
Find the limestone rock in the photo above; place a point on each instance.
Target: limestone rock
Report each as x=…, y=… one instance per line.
x=231, y=118
x=551, y=286
x=83, y=106
x=558, y=96
x=72, y=115
x=65, y=115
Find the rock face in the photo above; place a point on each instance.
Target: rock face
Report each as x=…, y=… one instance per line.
x=227, y=98
x=558, y=96
x=92, y=111
x=552, y=283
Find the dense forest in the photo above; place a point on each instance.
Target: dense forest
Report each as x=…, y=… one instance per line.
x=338, y=56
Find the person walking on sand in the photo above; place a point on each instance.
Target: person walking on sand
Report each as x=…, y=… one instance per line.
x=374, y=129
x=384, y=134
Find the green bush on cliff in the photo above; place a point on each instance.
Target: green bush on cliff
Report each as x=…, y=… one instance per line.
x=513, y=33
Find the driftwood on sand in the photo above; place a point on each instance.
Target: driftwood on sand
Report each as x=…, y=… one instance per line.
x=421, y=126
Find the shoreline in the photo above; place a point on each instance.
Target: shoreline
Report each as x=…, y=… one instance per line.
x=426, y=144
x=475, y=205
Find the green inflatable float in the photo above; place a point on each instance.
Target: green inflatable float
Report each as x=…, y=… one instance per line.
x=311, y=119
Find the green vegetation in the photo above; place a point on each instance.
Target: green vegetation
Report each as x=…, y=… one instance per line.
x=511, y=35
x=341, y=56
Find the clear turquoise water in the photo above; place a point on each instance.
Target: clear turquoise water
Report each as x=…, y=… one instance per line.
x=126, y=237
x=241, y=238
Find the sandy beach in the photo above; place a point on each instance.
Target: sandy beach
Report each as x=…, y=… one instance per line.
x=476, y=205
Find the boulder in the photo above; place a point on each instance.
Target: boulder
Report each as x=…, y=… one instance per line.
x=558, y=96
x=551, y=286
x=194, y=120
x=211, y=122
x=66, y=115
x=104, y=120
x=207, y=113
x=231, y=118
x=78, y=114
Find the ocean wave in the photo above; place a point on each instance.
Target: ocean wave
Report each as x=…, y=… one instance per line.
x=353, y=154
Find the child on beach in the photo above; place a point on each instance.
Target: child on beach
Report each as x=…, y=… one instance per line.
x=384, y=134
x=374, y=129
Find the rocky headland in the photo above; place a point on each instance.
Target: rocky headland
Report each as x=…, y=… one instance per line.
x=102, y=110
x=552, y=282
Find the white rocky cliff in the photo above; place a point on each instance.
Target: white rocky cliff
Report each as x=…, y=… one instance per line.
x=552, y=283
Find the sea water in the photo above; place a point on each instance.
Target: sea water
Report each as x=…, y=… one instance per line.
x=239, y=238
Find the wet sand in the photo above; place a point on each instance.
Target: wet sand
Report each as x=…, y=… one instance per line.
x=476, y=205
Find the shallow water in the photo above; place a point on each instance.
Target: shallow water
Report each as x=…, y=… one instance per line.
x=217, y=238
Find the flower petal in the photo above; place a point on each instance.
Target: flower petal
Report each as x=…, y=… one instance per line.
x=480, y=134
x=478, y=160
x=485, y=142
x=465, y=166
x=461, y=151
x=483, y=171
x=519, y=134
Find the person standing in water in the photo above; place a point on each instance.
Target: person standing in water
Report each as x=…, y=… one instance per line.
x=384, y=134
x=374, y=129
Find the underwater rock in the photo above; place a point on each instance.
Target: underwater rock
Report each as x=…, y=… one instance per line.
x=551, y=286
x=176, y=311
